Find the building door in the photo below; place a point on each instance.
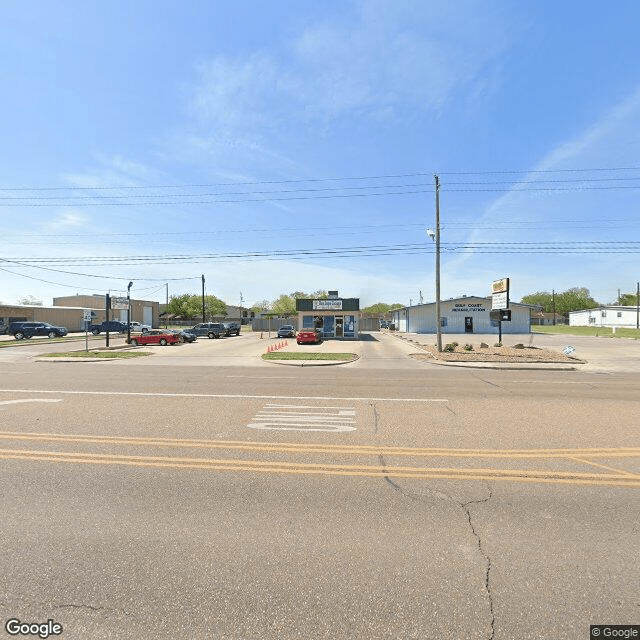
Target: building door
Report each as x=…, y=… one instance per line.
x=339, y=326
x=468, y=324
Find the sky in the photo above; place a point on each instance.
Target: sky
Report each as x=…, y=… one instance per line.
x=294, y=146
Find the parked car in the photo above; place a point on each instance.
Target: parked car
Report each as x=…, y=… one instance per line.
x=309, y=336
x=113, y=326
x=3, y=329
x=287, y=331
x=187, y=335
x=138, y=326
x=231, y=328
x=156, y=336
x=209, y=329
x=20, y=330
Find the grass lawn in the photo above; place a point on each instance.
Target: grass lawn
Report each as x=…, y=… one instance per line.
x=606, y=332
x=285, y=355
x=98, y=354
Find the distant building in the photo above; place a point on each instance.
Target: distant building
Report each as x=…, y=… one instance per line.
x=609, y=316
x=469, y=314
x=335, y=317
x=144, y=311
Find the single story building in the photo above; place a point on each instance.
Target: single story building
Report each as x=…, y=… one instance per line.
x=469, y=314
x=144, y=311
x=609, y=316
x=335, y=317
x=543, y=318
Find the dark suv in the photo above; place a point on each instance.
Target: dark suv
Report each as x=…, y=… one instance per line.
x=20, y=330
x=209, y=329
x=231, y=328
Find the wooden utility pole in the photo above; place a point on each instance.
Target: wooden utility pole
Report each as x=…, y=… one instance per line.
x=438, y=327
x=203, y=320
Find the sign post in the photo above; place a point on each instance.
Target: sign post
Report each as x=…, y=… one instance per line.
x=500, y=302
x=87, y=320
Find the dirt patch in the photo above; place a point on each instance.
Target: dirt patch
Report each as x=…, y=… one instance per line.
x=493, y=354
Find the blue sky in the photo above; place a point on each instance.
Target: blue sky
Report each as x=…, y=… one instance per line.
x=259, y=142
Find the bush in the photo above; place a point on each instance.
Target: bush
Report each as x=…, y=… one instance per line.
x=498, y=344
x=450, y=347
x=468, y=347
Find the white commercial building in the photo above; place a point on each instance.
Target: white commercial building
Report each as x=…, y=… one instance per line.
x=611, y=316
x=469, y=314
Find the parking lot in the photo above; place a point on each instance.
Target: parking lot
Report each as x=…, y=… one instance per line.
x=373, y=350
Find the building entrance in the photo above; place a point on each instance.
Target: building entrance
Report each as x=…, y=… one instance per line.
x=468, y=324
x=339, y=326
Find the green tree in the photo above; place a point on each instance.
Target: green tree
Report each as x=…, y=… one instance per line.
x=572, y=299
x=628, y=299
x=190, y=306
x=540, y=298
x=260, y=306
x=284, y=305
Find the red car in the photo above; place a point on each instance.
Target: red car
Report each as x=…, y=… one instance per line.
x=156, y=337
x=307, y=336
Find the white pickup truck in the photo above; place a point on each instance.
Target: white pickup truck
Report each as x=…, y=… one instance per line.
x=141, y=328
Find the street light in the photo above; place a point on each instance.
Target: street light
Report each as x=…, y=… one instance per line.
x=129, y=313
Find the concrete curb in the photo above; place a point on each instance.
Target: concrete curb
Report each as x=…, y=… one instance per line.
x=310, y=363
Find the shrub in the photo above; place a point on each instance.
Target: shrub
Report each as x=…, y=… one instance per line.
x=468, y=347
x=498, y=344
x=450, y=347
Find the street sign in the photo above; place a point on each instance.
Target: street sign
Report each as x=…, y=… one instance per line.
x=119, y=303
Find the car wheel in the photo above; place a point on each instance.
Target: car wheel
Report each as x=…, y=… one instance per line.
x=52, y=334
x=134, y=342
x=18, y=335
x=211, y=335
x=95, y=332
x=163, y=342
x=144, y=330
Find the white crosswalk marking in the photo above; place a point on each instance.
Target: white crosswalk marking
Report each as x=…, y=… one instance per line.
x=291, y=417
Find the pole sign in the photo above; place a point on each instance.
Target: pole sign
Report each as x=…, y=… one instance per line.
x=119, y=303
x=500, y=294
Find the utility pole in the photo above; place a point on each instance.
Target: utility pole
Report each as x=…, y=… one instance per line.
x=553, y=304
x=166, y=309
x=638, y=306
x=438, y=327
x=203, y=320
x=129, y=312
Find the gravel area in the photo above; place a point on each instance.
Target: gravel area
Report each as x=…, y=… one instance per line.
x=490, y=354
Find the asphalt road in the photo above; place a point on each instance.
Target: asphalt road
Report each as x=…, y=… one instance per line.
x=207, y=494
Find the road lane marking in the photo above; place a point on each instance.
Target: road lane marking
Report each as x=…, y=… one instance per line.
x=373, y=471
x=334, y=449
x=277, y=417
x=605, y=466
x=224, y=396
x=30, y=400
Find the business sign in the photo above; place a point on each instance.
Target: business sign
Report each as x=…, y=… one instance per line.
x=500, y=294
x=119, y=303
x=500, y=300
x=88, y=315
x=327, y=305
x=500, y=286
x=500, y=315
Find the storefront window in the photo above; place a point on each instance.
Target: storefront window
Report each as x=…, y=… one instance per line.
x=307, y=322
x=349, y=326
x=328, y=329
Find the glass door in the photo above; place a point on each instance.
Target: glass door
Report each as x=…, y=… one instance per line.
x=339, y=326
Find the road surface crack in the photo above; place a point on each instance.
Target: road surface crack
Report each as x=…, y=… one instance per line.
x=487, y=584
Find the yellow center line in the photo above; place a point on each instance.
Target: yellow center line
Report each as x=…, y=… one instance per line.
x=561, y=477
x=604, y=466
x=317, y=448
